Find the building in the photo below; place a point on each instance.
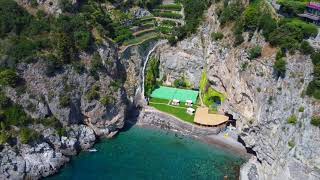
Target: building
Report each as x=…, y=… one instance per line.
x=175, y=102
x=190, y=111
x=189, y=103
x=312, y=13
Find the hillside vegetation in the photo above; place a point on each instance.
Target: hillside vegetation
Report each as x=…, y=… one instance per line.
x=287, y=34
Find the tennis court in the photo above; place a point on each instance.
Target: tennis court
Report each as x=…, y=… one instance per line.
x=170, y=93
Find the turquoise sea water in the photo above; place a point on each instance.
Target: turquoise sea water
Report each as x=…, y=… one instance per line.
x=141, y=153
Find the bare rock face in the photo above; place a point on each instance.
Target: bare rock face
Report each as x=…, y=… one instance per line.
x=184, y=61
x=260, y=102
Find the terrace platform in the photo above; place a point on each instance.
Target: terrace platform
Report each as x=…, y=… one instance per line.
x=203, y=118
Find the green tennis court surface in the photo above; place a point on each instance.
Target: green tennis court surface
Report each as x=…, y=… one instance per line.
x=173, y=93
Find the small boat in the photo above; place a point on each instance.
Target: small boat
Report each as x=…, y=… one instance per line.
x=92, y=150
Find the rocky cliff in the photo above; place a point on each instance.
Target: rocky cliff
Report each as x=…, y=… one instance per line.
x=82, y=118
x=260, y=102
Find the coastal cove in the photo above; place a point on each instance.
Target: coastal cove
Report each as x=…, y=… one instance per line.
x=142, y=153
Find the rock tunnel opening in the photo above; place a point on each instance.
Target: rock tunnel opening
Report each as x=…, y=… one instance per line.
x=232, y=121
x=248, y=149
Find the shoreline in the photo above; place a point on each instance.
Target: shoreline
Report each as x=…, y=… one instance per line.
x=229, y=146
x=154, y=119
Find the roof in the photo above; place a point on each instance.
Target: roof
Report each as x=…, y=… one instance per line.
x=170, y=93
x=203, y=117
x=314, y=5
x=310, y=16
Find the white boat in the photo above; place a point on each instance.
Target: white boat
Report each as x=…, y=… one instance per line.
x=92, y=150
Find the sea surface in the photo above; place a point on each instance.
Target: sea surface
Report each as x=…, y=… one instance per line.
x=141, y=153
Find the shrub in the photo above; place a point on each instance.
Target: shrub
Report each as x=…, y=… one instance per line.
x=51, y=122
x=231, y=12
x=62, y=131
x=4, y=137
x=291, y=144
x=292, y=119
x=106, y=100
x=315, y=120
x=93, y=93
x=64, y=100
x=14, y=115
x=316, y=58
x=217, y=36
x=255, y=52
x=180, y=83
x=305, y=48
x=4, y=100
x=279, y=68
x=301, y=109
x=8, y=77
x=292, y=8
x=83, y=39
x=27, y=135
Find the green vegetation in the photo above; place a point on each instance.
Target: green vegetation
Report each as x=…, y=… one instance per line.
x=181, y=83
x=217, y=36
x=210, y=96
x=255, y=52
x=194, y=10
x=28, y=135
x=64, y=100
x=93, y=94
x=315, y=120
x=292, y=7
x=152, y=73
x=140, y=39
x=8, y=77
x=279, y=66
x=230, y=12
x=292, y=120
x=168, y=15
x=291, y=143
x=106, y=100
x=174, y=7
x=175, y=111
x=158, y=100
x=313, y=89
x=301, y=109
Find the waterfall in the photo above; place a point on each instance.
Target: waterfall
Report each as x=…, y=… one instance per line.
x=145, y=65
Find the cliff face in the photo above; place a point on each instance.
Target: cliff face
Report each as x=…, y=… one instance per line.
x=260, y=103
x=83, y=118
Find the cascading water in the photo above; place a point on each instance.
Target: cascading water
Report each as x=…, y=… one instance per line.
x=141, y=87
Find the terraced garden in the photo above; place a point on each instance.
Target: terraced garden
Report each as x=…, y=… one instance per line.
x=160, y=24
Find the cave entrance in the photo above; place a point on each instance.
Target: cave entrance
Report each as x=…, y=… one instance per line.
x=231, y=121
